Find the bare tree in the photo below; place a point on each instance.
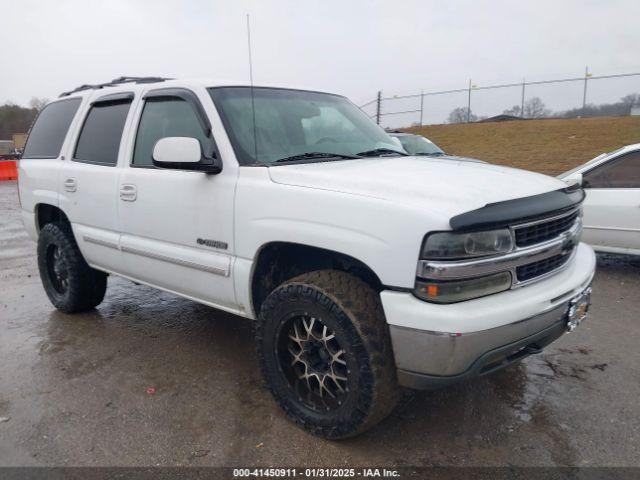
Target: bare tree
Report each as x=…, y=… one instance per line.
x=535, y=108
x=631, y=99
x=516, y=111
x=461, y=115
x=623, y=107
x=38, y=103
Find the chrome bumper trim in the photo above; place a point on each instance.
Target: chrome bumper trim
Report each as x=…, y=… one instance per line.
x=445, y=354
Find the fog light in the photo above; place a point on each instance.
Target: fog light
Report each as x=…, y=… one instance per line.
x=460, y=290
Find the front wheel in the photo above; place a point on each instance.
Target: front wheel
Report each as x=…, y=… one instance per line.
x=325, y=352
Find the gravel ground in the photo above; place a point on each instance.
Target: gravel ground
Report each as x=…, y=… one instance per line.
x=75, y=390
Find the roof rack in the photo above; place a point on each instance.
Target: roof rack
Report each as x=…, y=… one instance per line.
x=114, y=82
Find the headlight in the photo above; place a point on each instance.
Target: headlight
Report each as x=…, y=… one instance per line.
x=449, y=245
x=460, y=290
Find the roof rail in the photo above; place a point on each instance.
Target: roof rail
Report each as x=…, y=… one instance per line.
x=114, y=82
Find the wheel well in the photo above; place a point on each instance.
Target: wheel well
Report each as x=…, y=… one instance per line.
x=278, y=262
x=46, y=213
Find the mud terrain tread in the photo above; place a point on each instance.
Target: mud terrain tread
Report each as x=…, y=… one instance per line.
x=87, y=286
x=346, y=295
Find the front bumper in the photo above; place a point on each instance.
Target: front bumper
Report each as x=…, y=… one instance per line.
x=436, y=345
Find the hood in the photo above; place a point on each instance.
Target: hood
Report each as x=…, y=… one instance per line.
x=452, y=184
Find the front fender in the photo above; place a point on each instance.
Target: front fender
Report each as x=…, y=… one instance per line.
x=382, y=234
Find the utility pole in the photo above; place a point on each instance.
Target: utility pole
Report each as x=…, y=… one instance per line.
x=584, y=94
x=421, y=105
x=379, y=107
x=522, y=100
x=469, y=103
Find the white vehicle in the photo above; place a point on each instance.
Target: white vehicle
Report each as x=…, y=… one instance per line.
x=419, y=146
x=611, y=182
x=365, y=269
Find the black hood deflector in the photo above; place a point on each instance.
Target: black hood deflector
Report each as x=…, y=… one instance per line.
x=518, y=210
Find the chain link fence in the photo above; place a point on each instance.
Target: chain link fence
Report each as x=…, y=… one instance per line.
x=587, y=95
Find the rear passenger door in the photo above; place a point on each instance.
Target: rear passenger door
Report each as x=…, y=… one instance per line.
x=89, y=181
x=612, y=206
x=177, y=225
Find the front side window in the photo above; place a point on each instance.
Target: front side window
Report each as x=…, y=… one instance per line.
x=99, y=140
x=623, y=172
x=295, y=122
x=166, y=117
x=50, y=129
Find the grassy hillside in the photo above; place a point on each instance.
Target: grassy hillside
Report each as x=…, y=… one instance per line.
x=546, y=146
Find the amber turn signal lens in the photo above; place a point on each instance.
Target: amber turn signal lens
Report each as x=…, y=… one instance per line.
x=460, y=290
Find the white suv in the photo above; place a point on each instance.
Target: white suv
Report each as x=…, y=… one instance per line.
x=365, y=269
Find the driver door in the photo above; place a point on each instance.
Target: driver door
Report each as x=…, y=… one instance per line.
x=177, y=225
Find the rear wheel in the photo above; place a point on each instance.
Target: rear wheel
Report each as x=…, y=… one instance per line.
x=325, y=351
x=70, y=283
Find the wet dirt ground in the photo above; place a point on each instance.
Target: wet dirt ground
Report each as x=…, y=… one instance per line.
x=74, y=389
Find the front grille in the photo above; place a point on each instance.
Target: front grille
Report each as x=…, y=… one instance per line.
x=536, y=269
x=543, y=231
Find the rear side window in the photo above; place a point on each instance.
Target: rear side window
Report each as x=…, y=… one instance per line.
x=101, y=133
x=166, y=117
x=50, y=129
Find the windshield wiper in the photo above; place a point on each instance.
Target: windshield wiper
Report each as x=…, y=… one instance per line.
x=432, y=154
x=378, y=152
x=314, y=155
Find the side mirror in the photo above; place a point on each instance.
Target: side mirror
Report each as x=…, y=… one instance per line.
x=183, y=153
x=573, y=179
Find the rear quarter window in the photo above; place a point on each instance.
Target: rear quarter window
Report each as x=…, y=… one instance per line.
x=50, y=129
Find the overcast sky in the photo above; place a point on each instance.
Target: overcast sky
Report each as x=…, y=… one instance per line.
x=350, y=47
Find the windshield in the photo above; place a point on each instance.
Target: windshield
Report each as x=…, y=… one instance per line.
x=417, y=145
x=291, y=123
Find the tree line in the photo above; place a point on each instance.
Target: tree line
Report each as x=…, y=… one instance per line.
x=17, y=119
x=535, y=108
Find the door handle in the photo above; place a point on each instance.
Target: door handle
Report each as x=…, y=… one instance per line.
x=128, y=193
x=70, y=185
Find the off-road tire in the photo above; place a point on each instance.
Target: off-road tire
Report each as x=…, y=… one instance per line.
x=352, y=309
x=85, y=287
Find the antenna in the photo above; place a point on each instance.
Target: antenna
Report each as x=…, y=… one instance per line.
x=253, y=106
